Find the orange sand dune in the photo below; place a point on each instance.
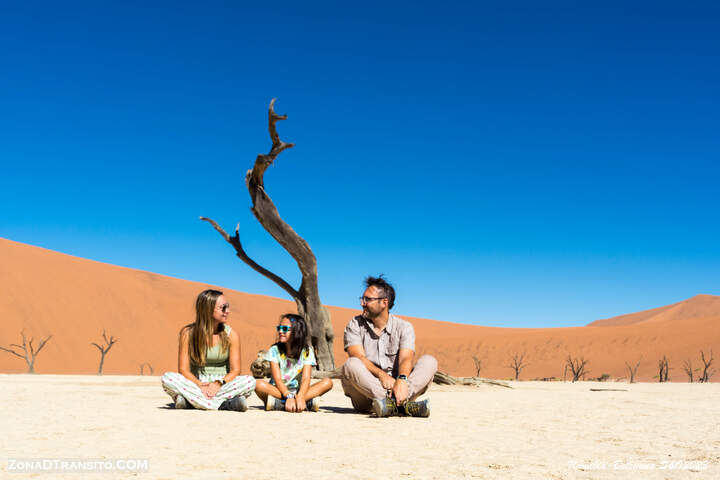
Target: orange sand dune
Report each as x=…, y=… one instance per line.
x=697, y=307
x=74, y=299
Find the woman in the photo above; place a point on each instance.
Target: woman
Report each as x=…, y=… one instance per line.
x=291, y=361
x=209, y=361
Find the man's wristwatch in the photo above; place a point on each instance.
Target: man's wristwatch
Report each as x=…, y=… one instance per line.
x=402, y=377
x=289, y=396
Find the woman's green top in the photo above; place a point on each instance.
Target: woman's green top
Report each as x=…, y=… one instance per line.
x=217, y=362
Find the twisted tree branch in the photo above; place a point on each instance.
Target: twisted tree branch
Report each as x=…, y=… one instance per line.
x=240, y=251
x=30, y=353
x=262, y=162
x=42, y=344
x=13, y=352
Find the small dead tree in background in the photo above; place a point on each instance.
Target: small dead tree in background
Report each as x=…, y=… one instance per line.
x=27, y=350
x=633, y=370
x=307, y=297
x=517, y=363
x=109, y=342
x=707, y=373
x=688, y=369
x=577, y=366
x=142, y=368
x=664, y=369
x=478, y=365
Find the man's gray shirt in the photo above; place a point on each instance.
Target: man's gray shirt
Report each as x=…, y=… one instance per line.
x=382, y=350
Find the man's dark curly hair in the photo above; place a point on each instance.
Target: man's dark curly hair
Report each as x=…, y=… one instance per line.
x=382, y=284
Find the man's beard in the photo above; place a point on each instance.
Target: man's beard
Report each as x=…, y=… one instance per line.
x=368, y=315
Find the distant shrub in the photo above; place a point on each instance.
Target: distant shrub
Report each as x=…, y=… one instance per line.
x=604, y=377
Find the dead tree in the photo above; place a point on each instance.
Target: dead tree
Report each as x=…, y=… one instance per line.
x=478, y=365
x=27, y=350
x=109, y=342
x=707, y=373
x=142, y=368
x=688, y=369
x=577, y=366
x=442, y=378
x=517, y=363
x=633, y=369
x=664, y=369
x=307, y=297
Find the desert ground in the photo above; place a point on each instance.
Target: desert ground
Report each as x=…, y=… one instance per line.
x=534, y=430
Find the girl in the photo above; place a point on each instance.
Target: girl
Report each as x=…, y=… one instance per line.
x=209, y=361
x=291, y=361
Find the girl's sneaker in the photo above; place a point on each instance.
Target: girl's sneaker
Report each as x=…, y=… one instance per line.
x=273, y=403
x=313, y=405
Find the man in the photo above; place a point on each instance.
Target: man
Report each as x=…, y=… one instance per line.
x=379, y=374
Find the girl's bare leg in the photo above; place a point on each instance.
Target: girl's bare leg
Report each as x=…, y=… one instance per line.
x=264, y=388
x=318, y=388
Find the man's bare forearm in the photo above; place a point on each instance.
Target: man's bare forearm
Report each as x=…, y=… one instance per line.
x=405, y=367
x=374, y=369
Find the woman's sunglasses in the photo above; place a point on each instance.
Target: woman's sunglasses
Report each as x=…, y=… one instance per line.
x=224, y=307
x=283, y=328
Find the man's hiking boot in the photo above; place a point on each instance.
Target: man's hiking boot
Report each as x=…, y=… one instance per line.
x=237, y=404
x=313, y=405
x=272, y=403
x=417, y=409
x=384, y=407
x=181, y=403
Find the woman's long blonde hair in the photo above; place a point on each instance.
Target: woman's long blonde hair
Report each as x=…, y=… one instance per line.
x=201, y=331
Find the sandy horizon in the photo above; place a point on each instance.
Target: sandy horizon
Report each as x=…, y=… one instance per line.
x=534, y=430
x=145, y=311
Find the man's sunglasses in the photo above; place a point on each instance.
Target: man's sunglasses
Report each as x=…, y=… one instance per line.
x=283, y=328
x=370, y=299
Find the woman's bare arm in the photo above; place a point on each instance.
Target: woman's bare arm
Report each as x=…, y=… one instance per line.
x=234, y=356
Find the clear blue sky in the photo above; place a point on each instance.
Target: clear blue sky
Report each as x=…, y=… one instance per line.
x=502, y=163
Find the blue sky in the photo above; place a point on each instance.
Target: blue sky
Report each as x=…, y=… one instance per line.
x=503, y=163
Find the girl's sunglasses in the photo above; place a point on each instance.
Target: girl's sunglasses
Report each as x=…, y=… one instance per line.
x=283, y=328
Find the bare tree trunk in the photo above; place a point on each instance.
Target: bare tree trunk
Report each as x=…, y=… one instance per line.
x=29, y=352
x=517, y=363
x=707, y=373
x=633, y=370
x=109, y=342
x=577, y=366
x=478, y=365
x=663, y=366
x=688, y=369
x=307, y=297
x=442, y=378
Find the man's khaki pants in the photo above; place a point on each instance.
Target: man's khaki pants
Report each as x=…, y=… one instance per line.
x=362, y=386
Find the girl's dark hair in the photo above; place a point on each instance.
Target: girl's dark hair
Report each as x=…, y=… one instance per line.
x=298, y=338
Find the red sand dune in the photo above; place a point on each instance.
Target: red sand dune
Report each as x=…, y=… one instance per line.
x=74, y=299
